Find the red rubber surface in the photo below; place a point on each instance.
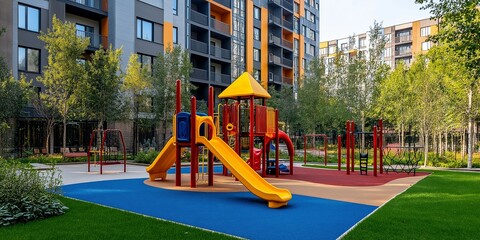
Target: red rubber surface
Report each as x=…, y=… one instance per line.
x=340, y=178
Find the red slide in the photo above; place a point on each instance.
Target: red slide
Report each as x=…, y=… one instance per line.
x=282, y=136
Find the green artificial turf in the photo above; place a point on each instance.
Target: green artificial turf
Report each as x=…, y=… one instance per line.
x=445, y=205
x=89, y=221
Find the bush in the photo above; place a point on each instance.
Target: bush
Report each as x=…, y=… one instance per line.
x=146, y=157
x=27, y=194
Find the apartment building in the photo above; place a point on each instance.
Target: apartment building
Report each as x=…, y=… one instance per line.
x=404, y=42
x=272, y=39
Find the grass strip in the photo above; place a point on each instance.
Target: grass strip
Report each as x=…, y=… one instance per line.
x=442, y=206
x=90, y=221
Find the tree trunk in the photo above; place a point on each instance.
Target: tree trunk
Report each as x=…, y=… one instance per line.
x=64, y=142
x=463, y=144
x=425, y=148
x=435, y=146
x=363, y=130
x=470, y=129
x=402, y=136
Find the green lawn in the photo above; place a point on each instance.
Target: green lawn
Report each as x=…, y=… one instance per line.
x=89, y=221
x=445, y=205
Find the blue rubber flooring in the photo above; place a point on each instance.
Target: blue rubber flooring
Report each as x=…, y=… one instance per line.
x=237, y=213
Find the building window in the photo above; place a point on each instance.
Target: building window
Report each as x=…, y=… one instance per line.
x=363, y=42
x=296, y=8
x=256, y=13
x=296, y=25
x=304, y=63
x=256, y=54
x=28, y=18
x=388, y=38
x=312, y=50
x=344, y=46
x=296, y=45
x=304, y=30
x=256, y=33
x=146, y=61
x=144, y=29
x=257, y=75
x=424, y=31
x=426, y=46
x=175, y=7
x=323, y=51
x=175, y=35
x=332, y=49
x=28, y=59
x=84, y=32
x=387, y=52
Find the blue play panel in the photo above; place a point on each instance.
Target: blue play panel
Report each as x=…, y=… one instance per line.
x=237, y=213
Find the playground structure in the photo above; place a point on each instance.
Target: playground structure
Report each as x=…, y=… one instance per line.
x=314, y=136
x=388, y=157
x=191, y=129
x=399, y=157
x=109, y=146
x=377, y=142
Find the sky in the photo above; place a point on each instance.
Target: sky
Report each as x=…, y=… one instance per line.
x=343, y=18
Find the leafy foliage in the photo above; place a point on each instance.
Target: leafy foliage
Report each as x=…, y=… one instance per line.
x=27, y=194
x=63, y=73
x=100, y=91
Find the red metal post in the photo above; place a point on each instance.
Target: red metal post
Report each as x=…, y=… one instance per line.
x=178, y=149
x=375, y=150
x=352, y=146
x=178, y=97
x=251, y=132
x=339, y=152
x=210, y=133
x=348, y=138
x=226, y=120
x=325, y=145
x=124, y=152
x=193, y=145
x=305, y=149
x=101, y=151
x=380, y=143
x=277, y=168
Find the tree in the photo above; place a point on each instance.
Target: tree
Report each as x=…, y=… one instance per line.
x=173, y=65
x=137, y=84
x=460, y=31
x=14, y=95
x=63, y=73
x=284, y=101
x=395, y=101
x=100, y=91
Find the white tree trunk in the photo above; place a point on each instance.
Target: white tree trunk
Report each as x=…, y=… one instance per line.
x=470, y=129
x=425, y=148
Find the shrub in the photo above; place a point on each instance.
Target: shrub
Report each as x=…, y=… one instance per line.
x=146, y=157
x=27, y=194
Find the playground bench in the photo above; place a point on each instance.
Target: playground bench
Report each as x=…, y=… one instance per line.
x=71, y=154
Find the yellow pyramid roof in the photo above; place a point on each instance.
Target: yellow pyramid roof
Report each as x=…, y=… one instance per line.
x=244, y=86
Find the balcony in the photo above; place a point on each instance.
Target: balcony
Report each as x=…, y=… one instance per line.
x=274, y=19
x=403, y=39
x=274, y=39
x=96, y=41
x=287, y=62
x=220, y=78
x=199, y=74
x=198, y=46
x=220, y=26
x=287, y=24
x=403, y=53
x=199, y=18
x=275, y=2
x=97, y=4
x=287, y=80
x=274, y=59
x=287, y=44
x=288, y=5
x=220, y=52
x=225, y=3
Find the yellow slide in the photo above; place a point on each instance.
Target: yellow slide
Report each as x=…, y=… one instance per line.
x=163, y=162
x=276, y=197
